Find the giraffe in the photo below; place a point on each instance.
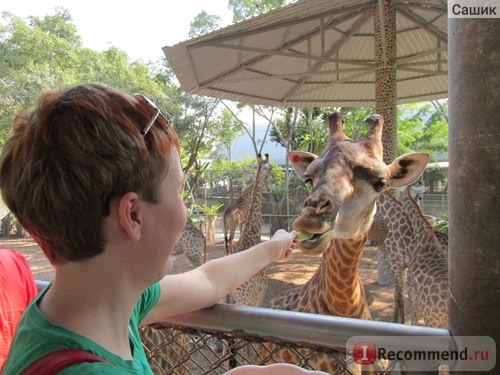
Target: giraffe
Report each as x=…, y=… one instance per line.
x=234, y=215
x=346, y=180
x=192, y=243
x=427, y=276
x=398, y=246
x=251, y=293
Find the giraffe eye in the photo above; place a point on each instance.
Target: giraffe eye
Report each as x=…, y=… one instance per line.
x=379, y=185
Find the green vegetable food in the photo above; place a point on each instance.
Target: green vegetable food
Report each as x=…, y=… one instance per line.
x=302, y=236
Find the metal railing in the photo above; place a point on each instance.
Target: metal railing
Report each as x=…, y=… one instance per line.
x=215, y=339
x=257, y=335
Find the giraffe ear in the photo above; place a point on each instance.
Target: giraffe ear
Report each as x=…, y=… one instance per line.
x=407, y=169
x=300, y=161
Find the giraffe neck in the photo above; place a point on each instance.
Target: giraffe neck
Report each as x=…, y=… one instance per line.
x=399, y=242
x=395, y=215
x=253, y=221
x=337, y=285
x=424, y=234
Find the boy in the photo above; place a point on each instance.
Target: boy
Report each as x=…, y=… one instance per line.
x=94, y=176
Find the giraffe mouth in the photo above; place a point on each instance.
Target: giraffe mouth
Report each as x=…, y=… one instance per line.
x=313, y=239
x=316, y=244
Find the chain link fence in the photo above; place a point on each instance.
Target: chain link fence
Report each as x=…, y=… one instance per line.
x=214, y=340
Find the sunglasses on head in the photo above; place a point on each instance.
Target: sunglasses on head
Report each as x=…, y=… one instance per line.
x=155, y=116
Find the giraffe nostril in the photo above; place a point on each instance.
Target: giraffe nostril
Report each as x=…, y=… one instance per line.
x=324, y=204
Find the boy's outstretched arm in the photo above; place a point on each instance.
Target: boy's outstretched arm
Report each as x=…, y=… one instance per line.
x=212, y=281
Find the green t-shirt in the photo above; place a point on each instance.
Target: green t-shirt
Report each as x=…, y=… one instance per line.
x=36, y=336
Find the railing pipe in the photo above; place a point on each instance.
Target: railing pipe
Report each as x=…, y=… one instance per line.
x=321, y=330
x=314, y=329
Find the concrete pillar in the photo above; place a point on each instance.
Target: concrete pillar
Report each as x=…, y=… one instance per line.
x=474, y=176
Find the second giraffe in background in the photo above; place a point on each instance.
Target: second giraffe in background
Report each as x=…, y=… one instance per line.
x=235, y=214
x=192, y=243
x=427, y=277
x=251, y=293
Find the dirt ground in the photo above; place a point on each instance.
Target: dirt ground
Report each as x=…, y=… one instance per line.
x=294, y=271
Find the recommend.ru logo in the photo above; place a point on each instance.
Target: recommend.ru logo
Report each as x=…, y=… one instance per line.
x=423, y=353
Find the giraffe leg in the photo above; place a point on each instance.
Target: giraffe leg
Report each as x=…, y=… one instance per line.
x=413, y=300
x=399, y=308
x=230, y=238
x=398, y=303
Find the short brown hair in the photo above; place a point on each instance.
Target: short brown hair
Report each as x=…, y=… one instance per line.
x=79, y=149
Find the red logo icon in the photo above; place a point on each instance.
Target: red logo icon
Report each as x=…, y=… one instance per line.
x=364, y=353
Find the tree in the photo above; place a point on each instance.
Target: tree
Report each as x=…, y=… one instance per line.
x=203, y=23
x=423, y=127
x=47, y=54
x=244, y=9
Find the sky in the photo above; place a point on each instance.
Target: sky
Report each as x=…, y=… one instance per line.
x=140, y=28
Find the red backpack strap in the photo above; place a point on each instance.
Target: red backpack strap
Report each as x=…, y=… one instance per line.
x=60, y=359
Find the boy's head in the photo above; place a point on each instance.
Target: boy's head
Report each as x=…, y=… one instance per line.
x=79, y=149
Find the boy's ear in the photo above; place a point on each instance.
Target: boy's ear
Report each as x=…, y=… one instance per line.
x=129, y=215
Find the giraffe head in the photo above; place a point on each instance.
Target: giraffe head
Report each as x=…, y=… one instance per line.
x=265, y=168
x=346, y=180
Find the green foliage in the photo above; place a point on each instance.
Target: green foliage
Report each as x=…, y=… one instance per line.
x=209, y=209
x=47, y=54
x=203, y=23
x=245, y=9
x=443, y=224
x=422, y=128
x=310, y=131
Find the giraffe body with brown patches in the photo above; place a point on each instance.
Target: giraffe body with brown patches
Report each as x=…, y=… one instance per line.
x=427, y=276
x=251, y=293
x=192, y=243
x=397, y=244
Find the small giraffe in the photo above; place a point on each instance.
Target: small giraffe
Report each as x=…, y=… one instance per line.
x=192, y=243
x=251, y=293
x=234, y=215
x=346, y=178
x=398, y=246
x=427, y=276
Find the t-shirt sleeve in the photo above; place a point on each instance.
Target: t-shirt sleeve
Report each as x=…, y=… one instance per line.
x=147, y=301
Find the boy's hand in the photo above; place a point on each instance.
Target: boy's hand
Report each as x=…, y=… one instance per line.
x=287, y=242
